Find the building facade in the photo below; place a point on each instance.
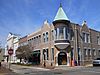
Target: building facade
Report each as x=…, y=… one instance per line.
x=64, y=42
x=23, y=41
x=12, y=43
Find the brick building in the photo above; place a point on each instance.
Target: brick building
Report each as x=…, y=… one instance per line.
x=64, y=42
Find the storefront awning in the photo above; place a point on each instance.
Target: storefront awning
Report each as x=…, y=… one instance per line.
x=36, y=52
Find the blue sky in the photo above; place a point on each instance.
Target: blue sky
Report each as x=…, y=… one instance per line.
x=26, y=16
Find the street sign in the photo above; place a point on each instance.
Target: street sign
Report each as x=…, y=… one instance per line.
x=10, y=51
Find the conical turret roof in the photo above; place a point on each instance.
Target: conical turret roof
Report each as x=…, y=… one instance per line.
x=61, y=14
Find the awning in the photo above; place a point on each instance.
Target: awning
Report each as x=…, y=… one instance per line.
x=36, y=52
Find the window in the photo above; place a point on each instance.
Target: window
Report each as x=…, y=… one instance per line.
x=94, y=52
x=52, y=53
x=43, y=37
x=61, y=33
x=86, y=37
x=39, y=38
x=85, y=52
x=36, y=40
x=55, y=33
x=98, y=40
x=66, y=33
x=44, y=58
x=32, y=38
x=52, y=34
x=47, y=56
x=99, y=52
x=46, y=36
x=83, y=37
x=71, y=34
x=89, y=52
x=79, y=52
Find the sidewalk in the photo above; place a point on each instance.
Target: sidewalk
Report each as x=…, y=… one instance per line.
x=64, y=67
x=4, y=71
x=69, y=68
x=30, y=67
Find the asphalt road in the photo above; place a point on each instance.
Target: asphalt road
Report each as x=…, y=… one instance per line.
x=22, y=70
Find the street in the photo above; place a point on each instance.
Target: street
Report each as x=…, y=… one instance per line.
x=24, y=70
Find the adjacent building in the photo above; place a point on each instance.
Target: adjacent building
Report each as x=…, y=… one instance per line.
x=12, y=43
x=23, y=41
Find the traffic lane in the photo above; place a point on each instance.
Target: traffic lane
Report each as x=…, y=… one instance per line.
x=85, y=71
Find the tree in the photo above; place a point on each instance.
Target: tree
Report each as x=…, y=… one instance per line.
x=23, y=52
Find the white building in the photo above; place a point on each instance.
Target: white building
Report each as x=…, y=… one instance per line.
x=12, y=43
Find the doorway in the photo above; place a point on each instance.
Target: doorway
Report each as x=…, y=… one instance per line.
x=62, y=58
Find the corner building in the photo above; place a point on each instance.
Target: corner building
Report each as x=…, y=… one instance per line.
x=64, y=43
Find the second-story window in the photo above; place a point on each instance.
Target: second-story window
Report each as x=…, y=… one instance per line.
x=71, y=34
x=37, y=41
x=55, y=34
x=39, y=38
x=61, y=33
x=52, y=34
x=86, y=37
x=98, y=40
x=83, y=37
x=43, y=37
x=46, y=36
x=66, y=33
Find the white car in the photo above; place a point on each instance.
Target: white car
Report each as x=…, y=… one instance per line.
x=96, y=62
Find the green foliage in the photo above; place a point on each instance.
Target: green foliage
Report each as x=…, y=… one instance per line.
x=23, y=52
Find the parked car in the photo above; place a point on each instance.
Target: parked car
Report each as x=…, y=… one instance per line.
x=96, y=62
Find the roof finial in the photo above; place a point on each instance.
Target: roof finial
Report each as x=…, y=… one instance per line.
x=60, y=4
x=84, y=22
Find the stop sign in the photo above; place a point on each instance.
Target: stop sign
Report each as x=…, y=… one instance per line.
x=10, y=51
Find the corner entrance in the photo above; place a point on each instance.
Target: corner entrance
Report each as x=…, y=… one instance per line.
x=62, y=58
